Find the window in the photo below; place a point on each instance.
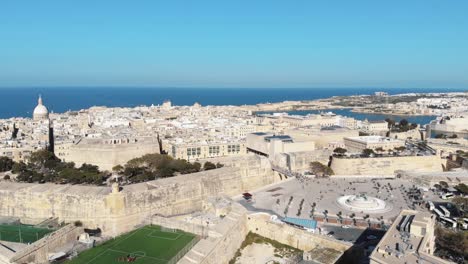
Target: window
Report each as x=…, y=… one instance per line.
x=233, y=148
x=214, y=150
x=193, y=151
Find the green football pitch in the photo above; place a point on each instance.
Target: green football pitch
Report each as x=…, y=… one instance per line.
x=149, y=244
x=22, y=233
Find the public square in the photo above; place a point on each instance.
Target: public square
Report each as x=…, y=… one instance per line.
x=304, y=197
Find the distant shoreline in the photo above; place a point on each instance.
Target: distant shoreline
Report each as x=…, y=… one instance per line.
x=21, y=102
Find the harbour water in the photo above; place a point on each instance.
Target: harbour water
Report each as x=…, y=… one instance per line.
x=19, y=102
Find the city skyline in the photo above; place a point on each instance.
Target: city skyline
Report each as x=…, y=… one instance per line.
x=421, y=44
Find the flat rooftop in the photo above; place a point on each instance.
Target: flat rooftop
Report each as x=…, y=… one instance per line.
x=404, y=242
x=373, y=139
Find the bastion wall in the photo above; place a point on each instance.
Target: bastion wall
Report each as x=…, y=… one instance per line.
x=231, y=232
x=385, y=165
x=120, y=211
x=222, y=246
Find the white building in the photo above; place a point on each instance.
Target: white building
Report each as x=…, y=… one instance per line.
x=270, y=144
x=410, y=239
x=358, y=144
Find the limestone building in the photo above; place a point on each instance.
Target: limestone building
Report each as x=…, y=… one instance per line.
x=106, y=153
x=410, y=239
x=374, y=126
x=268, y=144
x=194, y=151
x=358, y=144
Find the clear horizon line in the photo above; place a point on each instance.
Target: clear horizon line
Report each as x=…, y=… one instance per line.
x=214, y=87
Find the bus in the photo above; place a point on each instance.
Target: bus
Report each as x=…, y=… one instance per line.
x=446, y=212
x=464, y=224
x=431, y=206
x=438, y=213
x=448, y=221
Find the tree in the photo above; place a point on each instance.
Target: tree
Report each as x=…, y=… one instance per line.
x=390, y=122
x=463, y=188
x=19, y=167
x=403, y=123
x=209, y=166
x=6, y=164
x=340, y=150
x=118, y=169
x=446, y=239
x=368, y=152
x=379, y=149
x=400, y=148
x=461, y=203
x=40, y=158
x=320, y=169
x=443, y=184
x=89, y=168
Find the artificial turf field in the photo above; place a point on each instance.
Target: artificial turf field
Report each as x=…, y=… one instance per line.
x=22, y=233
x=149, y=244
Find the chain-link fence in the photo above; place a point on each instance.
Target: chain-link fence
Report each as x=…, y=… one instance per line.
x=184, y=251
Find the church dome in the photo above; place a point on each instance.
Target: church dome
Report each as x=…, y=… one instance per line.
x=40, y=112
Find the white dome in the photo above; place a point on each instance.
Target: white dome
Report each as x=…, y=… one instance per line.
x=40, y=112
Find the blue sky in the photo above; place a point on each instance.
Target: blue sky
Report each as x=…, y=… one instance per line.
x=417, y=43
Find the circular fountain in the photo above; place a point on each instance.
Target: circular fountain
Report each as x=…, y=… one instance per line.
x=363, y=203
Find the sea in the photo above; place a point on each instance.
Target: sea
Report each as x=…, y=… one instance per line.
x=20, y=102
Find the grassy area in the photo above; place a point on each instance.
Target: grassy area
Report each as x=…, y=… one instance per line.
x=149, y=244
x=22, y=233
x=281, y=250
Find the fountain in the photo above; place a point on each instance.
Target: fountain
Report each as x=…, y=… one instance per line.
x=363, y=203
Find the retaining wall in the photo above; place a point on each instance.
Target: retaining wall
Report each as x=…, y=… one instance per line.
x=385, y=165
x=39, y=251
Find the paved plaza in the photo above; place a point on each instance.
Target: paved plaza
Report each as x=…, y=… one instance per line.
x=298, y=197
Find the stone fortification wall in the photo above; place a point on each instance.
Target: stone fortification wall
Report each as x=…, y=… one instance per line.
x=107, y=156
x=65, y=202
x=39, y=251
x=221, y=249
x=385, y=165
x=227, y=236
x=260, y=224
x=413, y=133
x=443, y=147
x=117, y=212
x=185, y=194
x=300, y=161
